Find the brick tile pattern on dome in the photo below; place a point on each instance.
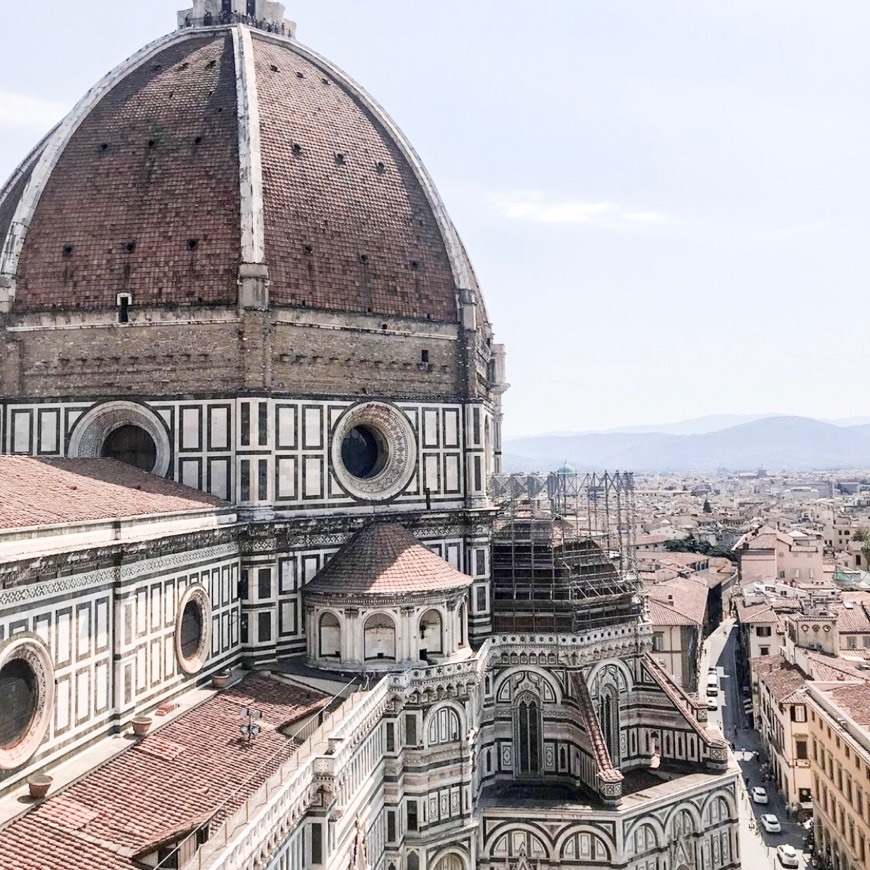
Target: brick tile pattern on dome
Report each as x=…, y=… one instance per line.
x=145, y=198
x=386, y=559
x=48, y=492
x=141, y=798
x=348, y=225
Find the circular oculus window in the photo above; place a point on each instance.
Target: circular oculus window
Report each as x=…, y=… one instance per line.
x=193, y=629
x=27, y=695
x=374, y=452
x=126, y=431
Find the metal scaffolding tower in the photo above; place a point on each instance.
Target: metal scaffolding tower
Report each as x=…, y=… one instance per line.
x=563, y=551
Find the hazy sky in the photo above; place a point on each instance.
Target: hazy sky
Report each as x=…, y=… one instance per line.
x=666, y=202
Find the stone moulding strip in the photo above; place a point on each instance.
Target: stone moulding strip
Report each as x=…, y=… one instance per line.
x=250, y=158
x=30, y=592
x=178, y=560
x=56, y=145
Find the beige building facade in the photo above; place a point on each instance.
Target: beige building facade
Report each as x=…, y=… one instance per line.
x=839, y=719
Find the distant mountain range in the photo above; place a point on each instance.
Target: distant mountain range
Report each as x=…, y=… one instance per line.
x=704, y=444
x=700, y=425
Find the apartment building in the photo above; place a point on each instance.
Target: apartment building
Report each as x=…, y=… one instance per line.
x=839, y=729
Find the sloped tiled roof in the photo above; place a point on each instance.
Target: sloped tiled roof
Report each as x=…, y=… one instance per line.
x=855, y=700
x=385, y=559
x=196, y=768
x=783, y=682
x=49, y=492
x=854, y=619
x=755, y=614
x=830, y=669
x=678, y=602
x=765, y=664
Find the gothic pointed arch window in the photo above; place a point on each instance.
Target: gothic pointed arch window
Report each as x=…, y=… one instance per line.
x=528, y=735
x=451, y=862
x=608, y=717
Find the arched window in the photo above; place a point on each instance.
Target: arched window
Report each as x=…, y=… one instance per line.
x=330, y=636
x=132, y=446
x=443, y=727
x=431, y=634
x=527, y=721
x=450, y=862
x=608, y=717
x=413, y=861
x=380, y=638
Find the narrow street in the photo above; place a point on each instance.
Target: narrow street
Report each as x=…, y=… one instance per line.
x=757, y=847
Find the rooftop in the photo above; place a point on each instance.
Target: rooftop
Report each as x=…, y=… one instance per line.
x=196, y=770
x=756, y=614
x=682, y=601
x=55, y=492
x=783, y=682
x=386, y=559
x=854, y=700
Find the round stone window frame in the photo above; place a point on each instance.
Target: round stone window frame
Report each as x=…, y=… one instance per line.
x=94, y=427
x=33, y=652
x=395, y=432
x=197, y=595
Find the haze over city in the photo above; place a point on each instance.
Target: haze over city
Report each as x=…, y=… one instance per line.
x=665, y=203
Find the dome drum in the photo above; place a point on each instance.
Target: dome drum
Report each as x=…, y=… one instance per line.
x=382, y=636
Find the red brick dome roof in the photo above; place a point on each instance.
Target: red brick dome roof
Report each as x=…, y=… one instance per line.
x=385, y=559
x=218, y=147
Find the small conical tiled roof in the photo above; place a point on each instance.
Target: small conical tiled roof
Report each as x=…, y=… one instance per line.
x=385, y=559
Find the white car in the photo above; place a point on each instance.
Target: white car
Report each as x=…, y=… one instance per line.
x=759, y=795
x=712, y=703
x=787, y=855
x=771, y=824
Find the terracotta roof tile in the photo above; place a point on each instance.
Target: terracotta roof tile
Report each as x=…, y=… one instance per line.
x=197, y=768
x=348, y=225
x=783, y=682
x=855, y=700
x=755, y=614
x=678, y=602
x=47, y=492
x=154, y=164
x=145, y=195
x=765, y=664
x=385, y=559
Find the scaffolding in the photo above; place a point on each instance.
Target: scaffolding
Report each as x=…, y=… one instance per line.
x=563, y=551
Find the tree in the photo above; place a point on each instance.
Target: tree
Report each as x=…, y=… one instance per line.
x=707, y=508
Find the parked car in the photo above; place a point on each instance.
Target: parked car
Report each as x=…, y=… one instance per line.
x=787, y=855
x=771, y=824
x=713, y=703
x=759, y=795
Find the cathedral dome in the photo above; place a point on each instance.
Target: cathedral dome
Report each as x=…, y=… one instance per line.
x=223, y=152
